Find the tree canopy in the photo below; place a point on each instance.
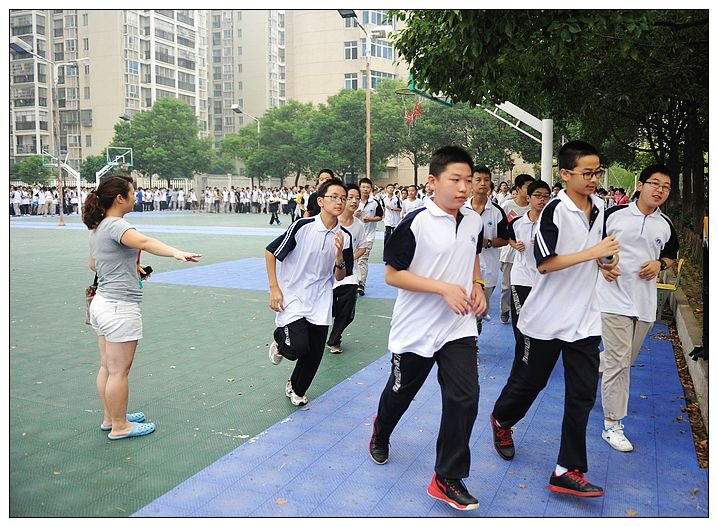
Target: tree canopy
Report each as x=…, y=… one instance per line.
x=165, y=140
x=628, y=80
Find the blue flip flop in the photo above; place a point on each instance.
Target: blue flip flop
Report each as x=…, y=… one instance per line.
x=136, y=417
x=138, y=429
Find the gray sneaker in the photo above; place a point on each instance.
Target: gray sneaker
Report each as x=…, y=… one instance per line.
x=295, y=399
x=274, y=356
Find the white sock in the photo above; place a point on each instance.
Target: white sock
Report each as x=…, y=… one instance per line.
x=608, y=423
x=560, y=471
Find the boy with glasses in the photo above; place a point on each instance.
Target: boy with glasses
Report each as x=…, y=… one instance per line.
x=627, y=296
x=568, y=244
x=312, y=254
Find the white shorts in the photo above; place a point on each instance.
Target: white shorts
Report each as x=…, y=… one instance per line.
x=116, y=320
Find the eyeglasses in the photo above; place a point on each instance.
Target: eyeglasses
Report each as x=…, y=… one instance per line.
x=336, y=198
x=655, y=185
x=541, y=196
x=598, y=174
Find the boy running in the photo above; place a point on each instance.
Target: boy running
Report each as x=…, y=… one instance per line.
x=312, y=254
x=561, y=317
x=433, y=259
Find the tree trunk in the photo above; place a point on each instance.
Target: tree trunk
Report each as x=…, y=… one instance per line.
x=416, y=170
x=296, y=178
x=695, y=168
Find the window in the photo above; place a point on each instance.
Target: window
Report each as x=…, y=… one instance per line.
x=164, y=54
x=185, y=37
x=217, y=107
x=350, y=22
x=186, y=16
x=87, y=92
x=350, y=50
x=379, y=48
x=185, y=81
x=227, y=51
x=350, y=81
x=228, y=120
x=88, y=140
x=164, y=76
x=86, y=117
x=71, y=45
x=227, y=33
x=164, y=30
x=87, y=69
x=85, y=21
x=376, y=16
x=375, y=76
x=133, y=67
x=59, y=52
x=132, y=91
x=228, y=86
x=85, y=44
x=70, y=20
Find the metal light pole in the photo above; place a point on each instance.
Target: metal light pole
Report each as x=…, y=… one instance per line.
x=236, y=109
x=21, y=47
x=379, y=32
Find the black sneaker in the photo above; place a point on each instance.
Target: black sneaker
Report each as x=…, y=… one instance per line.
x=360, y=290
x=503, y=443
x=378, y=450
x=453, y=492
x=573, y=482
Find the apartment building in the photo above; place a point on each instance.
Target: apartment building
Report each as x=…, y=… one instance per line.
x=247, y=66
x=110, y=63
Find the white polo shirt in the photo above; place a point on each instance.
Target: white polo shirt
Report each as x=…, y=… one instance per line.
x=305, y=270
x=407, y=205
x=563, y=304
x=523, y=271
x=369, y=209
x=391, y=217
x=431, y=243
x=512, y=210
x=642, y=238
x=356, y=230
x=495, y=226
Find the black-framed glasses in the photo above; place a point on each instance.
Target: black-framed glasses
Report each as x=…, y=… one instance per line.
x=655, y=185
x=598, y=174
x=540, y=196
x=336, y=198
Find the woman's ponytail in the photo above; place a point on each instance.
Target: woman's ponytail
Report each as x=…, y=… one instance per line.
x=103, y=197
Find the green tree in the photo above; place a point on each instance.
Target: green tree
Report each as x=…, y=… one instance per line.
x=90, y=166
x=165, y=140
x=31, y=170
x=636, y=78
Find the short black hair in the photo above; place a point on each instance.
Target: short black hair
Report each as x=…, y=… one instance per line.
x=327, y=170
x=366, y=180
x=334, y=182
x=571, y=152
x=481, y=169
x=654, y=169
x=352, y=186
x=447, y=155
x=522, y=179
x=533, y=187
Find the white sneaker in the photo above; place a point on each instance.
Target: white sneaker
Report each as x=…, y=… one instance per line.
x=335, y=349
x=487, y=317
x=274, y=356
x=615, y=437
x=293, y=397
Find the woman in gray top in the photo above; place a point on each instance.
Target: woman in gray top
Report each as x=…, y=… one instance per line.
x=115, y=248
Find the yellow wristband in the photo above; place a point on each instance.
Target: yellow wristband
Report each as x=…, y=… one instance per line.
x=480, y=282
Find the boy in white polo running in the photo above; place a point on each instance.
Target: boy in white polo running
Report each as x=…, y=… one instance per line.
x=496, y=233
x=561, y=317
x=312, y=254
x=433, y=258
x=345, y=291
x=627, y=296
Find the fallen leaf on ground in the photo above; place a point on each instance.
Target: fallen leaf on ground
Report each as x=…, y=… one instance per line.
x=522, y=486
x=281, y=501
x=631, y=512
x=694, y=491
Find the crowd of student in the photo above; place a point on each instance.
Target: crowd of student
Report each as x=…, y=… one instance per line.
x=444, y=246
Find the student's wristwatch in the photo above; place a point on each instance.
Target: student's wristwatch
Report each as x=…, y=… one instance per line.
x=663, y=263
x=489, y=245
x=340, y=266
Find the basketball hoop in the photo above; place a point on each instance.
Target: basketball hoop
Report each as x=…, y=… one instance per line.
x=411, y=113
